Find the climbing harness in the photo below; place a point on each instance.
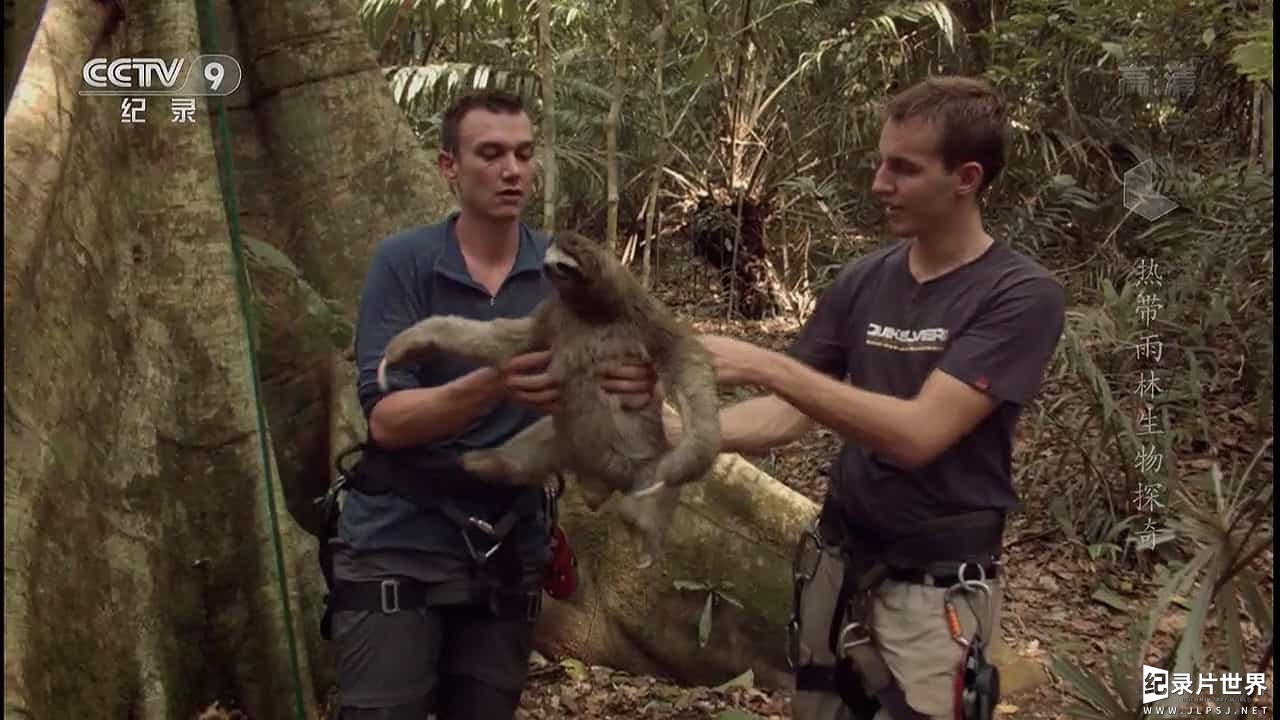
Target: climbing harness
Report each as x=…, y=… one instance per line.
x=379, y=471
x=209, y=43
x=860, y=675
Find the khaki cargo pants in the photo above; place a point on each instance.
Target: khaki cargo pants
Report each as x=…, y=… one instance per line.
x=910, y=630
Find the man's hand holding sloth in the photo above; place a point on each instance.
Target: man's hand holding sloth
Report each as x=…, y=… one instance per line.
x=525, y=379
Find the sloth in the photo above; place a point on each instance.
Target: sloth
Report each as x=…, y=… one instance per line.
x=597, y=313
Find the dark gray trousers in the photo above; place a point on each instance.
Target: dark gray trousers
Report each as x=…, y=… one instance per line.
x=458, y=661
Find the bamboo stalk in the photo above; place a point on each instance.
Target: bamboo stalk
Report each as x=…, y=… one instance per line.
x=546, y=69
x=651, y=228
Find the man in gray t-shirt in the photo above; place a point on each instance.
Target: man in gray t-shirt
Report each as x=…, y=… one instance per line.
x=422, y=620
x=921, y=356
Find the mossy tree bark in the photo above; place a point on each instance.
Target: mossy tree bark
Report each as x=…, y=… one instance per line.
x=140, y=572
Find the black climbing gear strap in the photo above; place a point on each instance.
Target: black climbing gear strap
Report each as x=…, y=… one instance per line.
x=860, y=675
x=399, y=594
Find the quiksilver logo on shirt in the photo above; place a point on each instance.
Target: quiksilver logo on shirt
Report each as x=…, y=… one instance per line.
x=904, y=340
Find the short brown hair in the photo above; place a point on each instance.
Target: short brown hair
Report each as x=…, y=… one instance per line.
x=495, y=101
x=970, y=115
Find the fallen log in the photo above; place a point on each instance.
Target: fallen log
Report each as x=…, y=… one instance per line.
x=728, y=560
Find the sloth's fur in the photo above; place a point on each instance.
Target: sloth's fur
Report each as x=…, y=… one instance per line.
x=597, y=314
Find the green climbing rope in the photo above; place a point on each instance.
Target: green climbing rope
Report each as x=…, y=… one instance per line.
x=208, y=40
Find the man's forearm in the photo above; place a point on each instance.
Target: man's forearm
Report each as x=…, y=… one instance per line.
x=752, y=427
x=881, y=423
x=420, y=415
x=756, y=426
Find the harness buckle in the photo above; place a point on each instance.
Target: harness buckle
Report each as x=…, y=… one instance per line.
x=390, y=590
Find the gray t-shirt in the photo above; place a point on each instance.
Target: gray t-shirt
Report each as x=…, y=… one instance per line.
x=992, y=323
x=413, y=275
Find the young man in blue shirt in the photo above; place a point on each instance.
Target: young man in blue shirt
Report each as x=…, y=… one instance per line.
x=458, y=634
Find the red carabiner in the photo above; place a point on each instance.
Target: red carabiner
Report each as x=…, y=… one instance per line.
x=562, y=574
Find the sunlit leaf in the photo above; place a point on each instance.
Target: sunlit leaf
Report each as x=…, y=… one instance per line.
x=574, y=669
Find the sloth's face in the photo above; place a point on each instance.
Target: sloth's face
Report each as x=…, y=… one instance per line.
x=570, y=267
x=562, y=268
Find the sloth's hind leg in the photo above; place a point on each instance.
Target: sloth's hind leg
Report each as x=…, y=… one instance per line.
x=688, y=376
x=529, y=458
x=594, y=492
x=647, y=517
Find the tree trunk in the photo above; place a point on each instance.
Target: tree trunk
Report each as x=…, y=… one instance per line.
x=20, y=20
x=141, y=576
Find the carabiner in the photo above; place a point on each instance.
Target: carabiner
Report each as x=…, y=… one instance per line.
x=981, y=582
x=863, y=638
x=962, y=584
x=801, y=576
x=952, y=618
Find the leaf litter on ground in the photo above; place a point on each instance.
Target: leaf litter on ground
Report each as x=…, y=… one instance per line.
x=601, y=693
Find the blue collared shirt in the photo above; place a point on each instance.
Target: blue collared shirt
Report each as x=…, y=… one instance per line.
x=412, y=275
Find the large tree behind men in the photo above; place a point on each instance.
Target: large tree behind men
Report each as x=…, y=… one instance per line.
x=142, y=574
x=140, y=570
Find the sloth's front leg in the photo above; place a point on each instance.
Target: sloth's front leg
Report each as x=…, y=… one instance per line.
x=491, y=342
x=529, y=458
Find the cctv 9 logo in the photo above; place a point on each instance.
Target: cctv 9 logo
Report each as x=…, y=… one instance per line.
x=214, y=75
